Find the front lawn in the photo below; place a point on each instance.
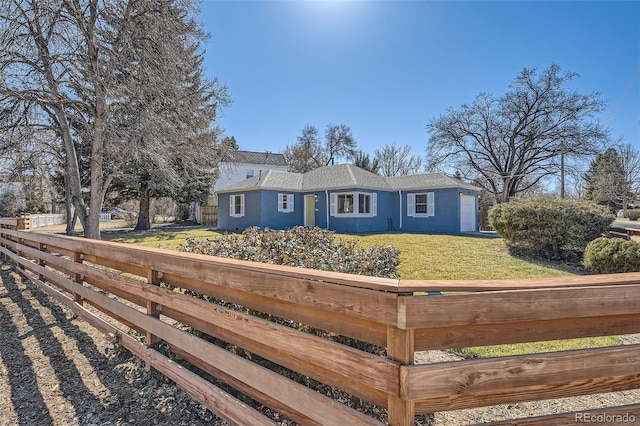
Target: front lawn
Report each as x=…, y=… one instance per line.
x=423, y=257
x=446, y=257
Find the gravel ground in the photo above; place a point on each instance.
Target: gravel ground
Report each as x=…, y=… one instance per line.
x=56, y=369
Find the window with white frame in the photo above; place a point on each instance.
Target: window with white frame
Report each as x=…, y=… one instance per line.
x=236, y=205
x=354, y=204
x=285, y=203
x=421, y=205
x=364, y=203
x=250, y=173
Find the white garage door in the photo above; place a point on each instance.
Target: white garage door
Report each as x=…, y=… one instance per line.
x=467, y=213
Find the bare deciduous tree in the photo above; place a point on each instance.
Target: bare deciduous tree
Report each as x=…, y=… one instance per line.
x=309, y=152
x=509, y=144
x=71, y=64
x=397, y=160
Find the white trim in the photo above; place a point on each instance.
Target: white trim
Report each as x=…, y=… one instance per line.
x=290, y=203
x=400, y=198
x=431, y=205
x=232, y=205
x=411, y=204
x=355, y=195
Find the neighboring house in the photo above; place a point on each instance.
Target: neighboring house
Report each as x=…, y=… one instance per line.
x=246, y=164
x=345, y=198
x=241, y=165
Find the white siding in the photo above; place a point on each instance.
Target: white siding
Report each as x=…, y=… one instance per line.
x=232, y=173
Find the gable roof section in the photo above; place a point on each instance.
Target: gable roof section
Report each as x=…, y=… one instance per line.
x=253, y=157
x=342, y=176
x=345, y=176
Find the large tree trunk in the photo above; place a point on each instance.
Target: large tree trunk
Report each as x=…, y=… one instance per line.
x=144, y=223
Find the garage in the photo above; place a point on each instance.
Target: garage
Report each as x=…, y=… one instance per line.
x=467, y=213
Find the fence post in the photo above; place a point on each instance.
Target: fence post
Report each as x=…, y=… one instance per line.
x=153, y=278
x=41, y=247
x=24, y=221
x=400, y=347
x=78, y=257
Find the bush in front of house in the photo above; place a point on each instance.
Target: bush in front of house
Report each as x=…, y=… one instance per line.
x=312, y=248
x=550, y=227
x=612, y=256
x=633, y=214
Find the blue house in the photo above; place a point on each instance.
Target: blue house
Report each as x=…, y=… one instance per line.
x=347, y=199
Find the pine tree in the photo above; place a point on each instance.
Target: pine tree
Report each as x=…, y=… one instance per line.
x=605, y=179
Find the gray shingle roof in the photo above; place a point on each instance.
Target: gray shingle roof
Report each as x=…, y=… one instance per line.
x=253, y=157
x=345, y=176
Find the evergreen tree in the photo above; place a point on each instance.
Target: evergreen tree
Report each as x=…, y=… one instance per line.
x=606, y=183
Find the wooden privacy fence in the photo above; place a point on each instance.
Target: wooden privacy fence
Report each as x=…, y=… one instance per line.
x=134, y=287
x=209, y=215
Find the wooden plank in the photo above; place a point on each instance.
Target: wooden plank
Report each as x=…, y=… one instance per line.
x=342, y=293
x=360, y=329
x=527, y=331
x=368, y=379
x=625, y=414
x=262, y=398
x=368, y=376
x=475, y=383
x=114, y=283
x=298, y=397
x=517, y=306
x=156, y=258
x=210, y=396
x=128, y=268
x=340, y=363
x=519, y=284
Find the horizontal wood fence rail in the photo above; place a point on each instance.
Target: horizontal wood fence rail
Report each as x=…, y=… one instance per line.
x=149, y=290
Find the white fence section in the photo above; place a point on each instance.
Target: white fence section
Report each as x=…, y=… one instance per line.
x=46, y=219
x=105, y=217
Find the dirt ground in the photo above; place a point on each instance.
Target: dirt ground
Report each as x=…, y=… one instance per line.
x=58, y=370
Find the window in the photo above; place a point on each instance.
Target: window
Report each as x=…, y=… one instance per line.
x=345, y=203
x=250, y=173
x=354, y=204
x=421, y=205
x=364, y=203
x=285, y=203
x=236, y=205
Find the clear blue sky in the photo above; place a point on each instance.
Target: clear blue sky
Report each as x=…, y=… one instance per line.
x=385, y=68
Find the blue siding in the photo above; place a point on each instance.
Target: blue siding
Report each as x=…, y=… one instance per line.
x=252, y=212
x=261, y=209
x=274, y=219
x=447, y=212
x=382, y=222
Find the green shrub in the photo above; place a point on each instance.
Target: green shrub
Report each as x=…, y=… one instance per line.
x=633, y=214
x=312, y=248
x=612, y=255
x=550, y=227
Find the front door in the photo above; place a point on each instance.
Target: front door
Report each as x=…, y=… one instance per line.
x=310, y=210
